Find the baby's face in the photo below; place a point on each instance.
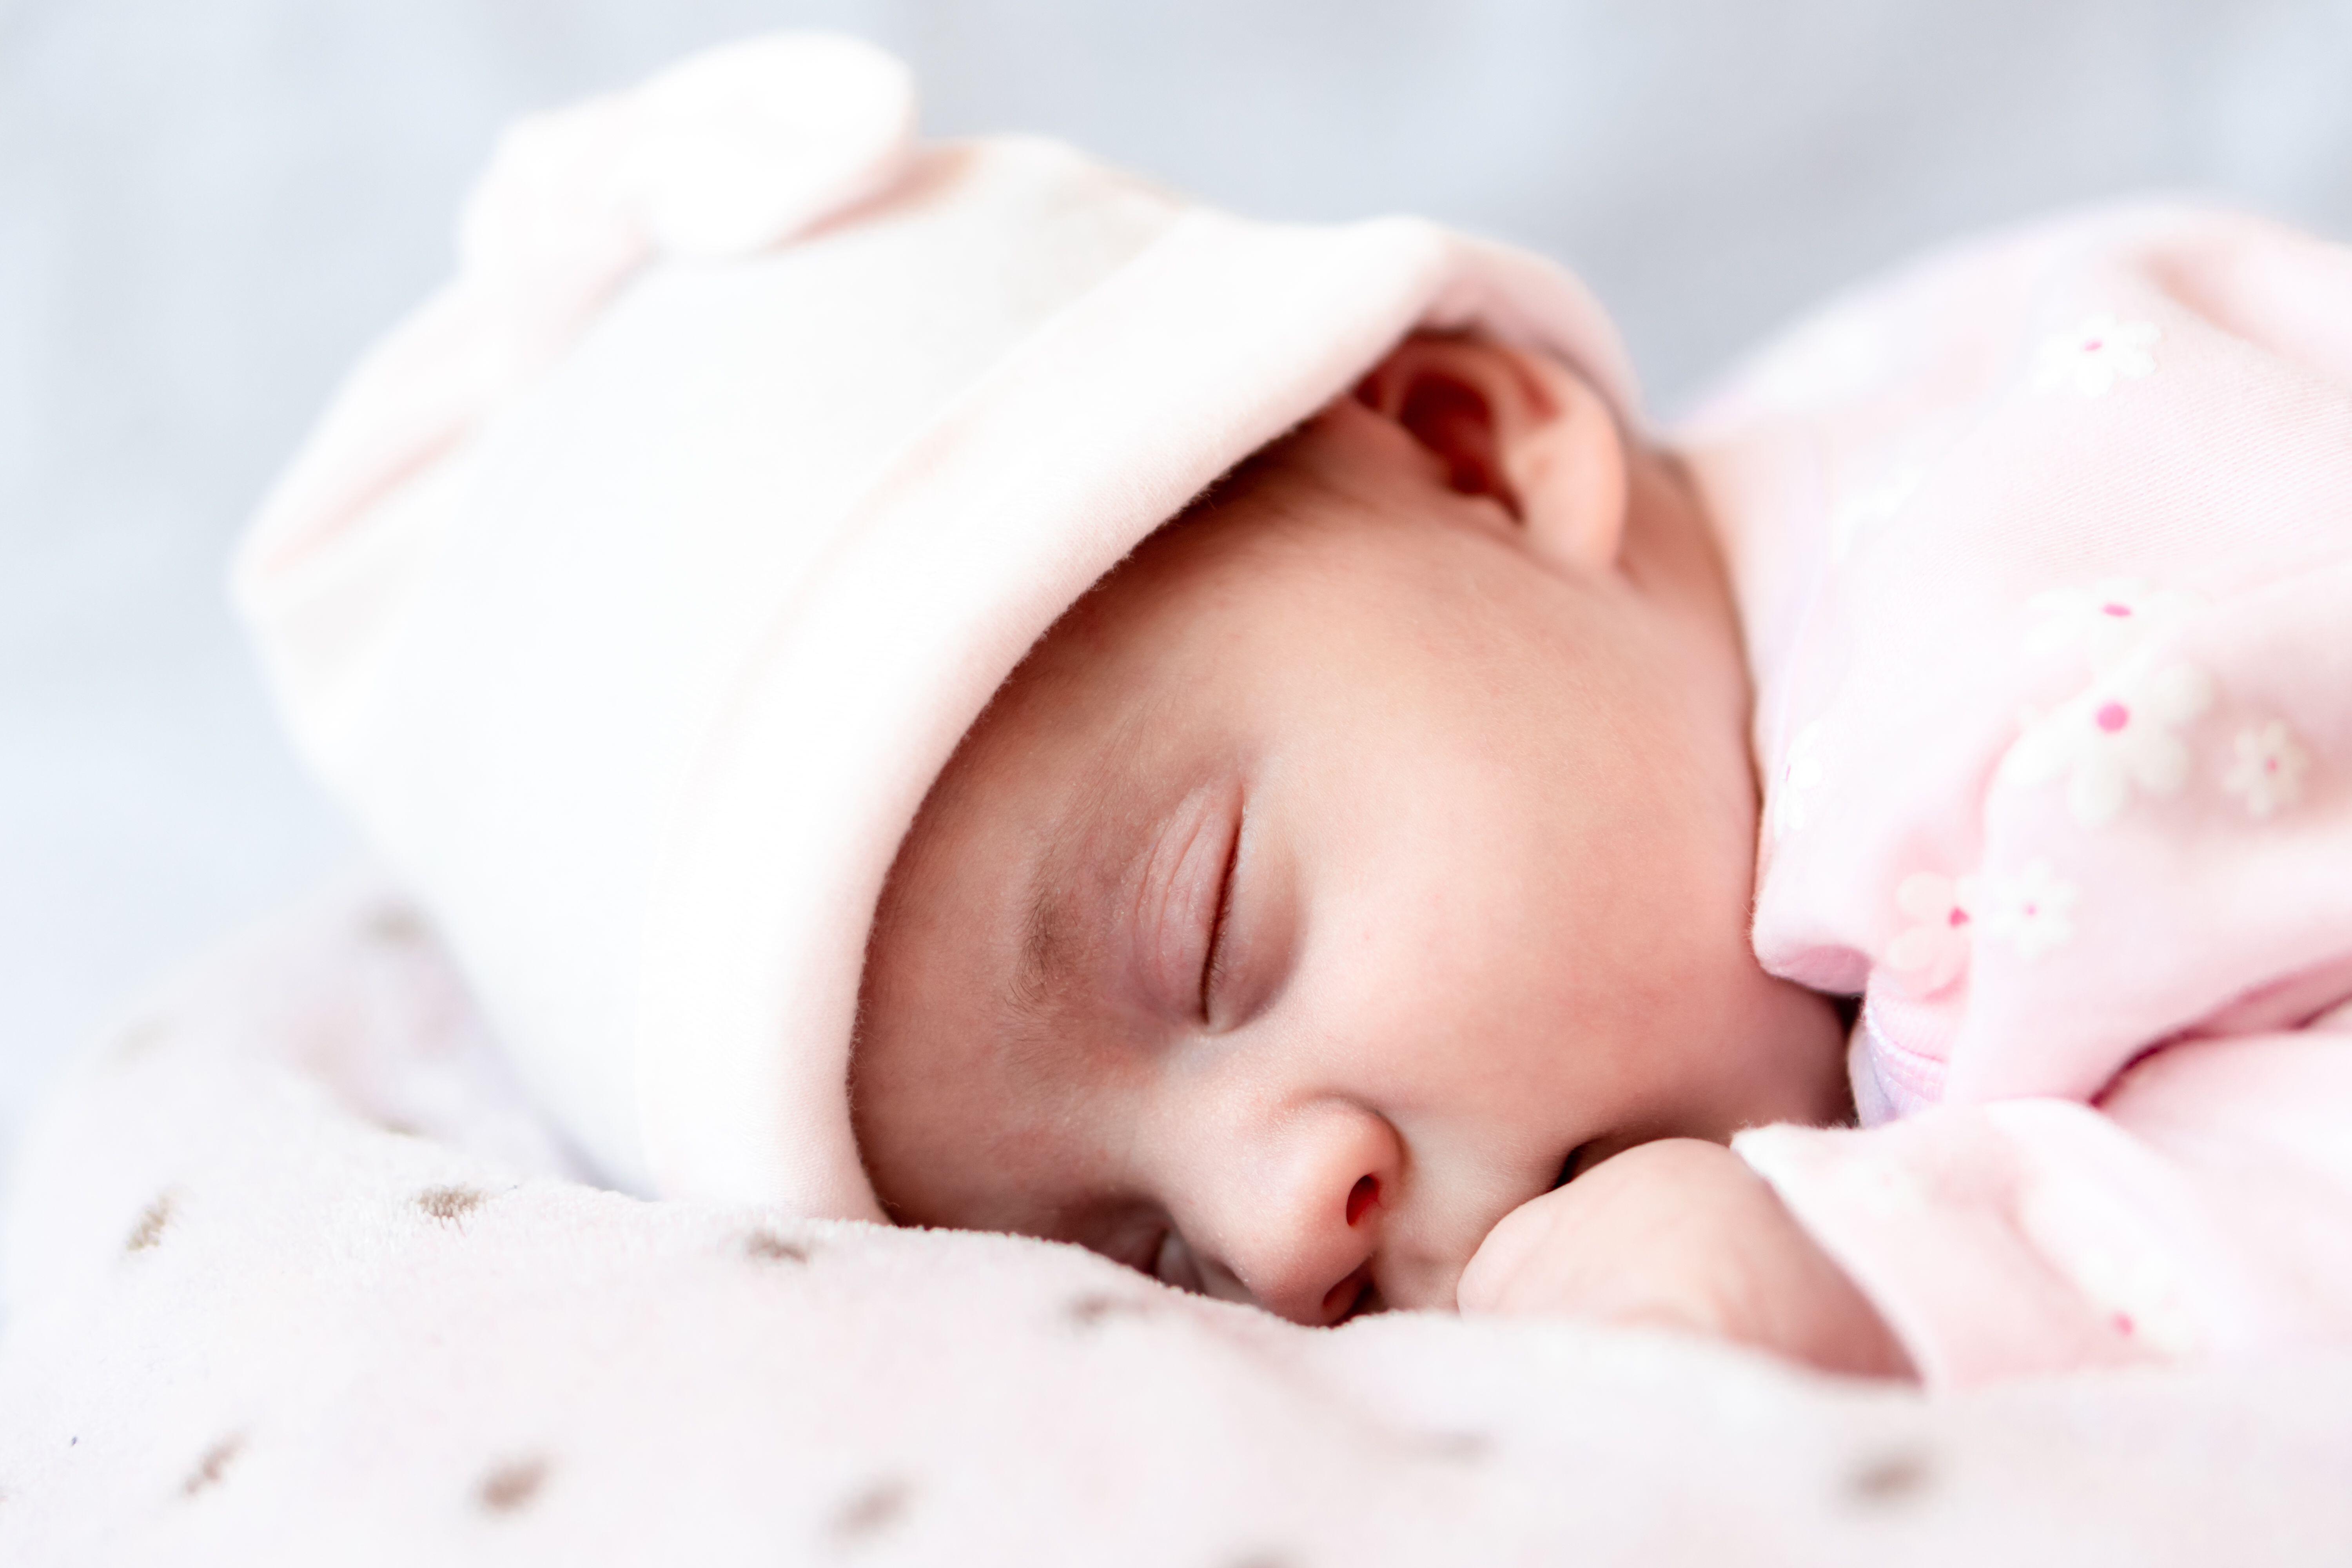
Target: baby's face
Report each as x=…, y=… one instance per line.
x=1359, y=859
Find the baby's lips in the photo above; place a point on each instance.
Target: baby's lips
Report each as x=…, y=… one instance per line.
x=745, y=147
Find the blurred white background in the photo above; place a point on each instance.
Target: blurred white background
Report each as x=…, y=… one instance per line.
x=208, y=206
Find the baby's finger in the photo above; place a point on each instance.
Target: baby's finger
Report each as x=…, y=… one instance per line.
x=1485, y=1285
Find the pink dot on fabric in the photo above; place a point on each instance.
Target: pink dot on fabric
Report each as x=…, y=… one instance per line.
x=2111, y=716
x=2124, y=1323
x=1958, y=917
x=2118, y=610
x=2091, y=346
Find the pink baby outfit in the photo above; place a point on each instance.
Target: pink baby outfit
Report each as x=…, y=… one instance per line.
x=2045, y=552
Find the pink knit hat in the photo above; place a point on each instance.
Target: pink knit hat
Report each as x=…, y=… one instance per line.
x=635, y=590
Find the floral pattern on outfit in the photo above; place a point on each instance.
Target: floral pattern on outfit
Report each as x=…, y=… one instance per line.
x=2108, y=621
x=1931, y=952
x=2121, y=735
x=2267, y=770
x=1801, y=772
x=2032, y=911
x=2104, y=1250
x=2099, y=351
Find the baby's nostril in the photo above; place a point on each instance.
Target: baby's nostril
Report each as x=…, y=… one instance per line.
x=1363, y=1196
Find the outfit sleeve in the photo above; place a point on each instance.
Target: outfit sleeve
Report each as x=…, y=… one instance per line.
x=2201, y=1211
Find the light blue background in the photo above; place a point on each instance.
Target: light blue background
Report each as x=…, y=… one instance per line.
x=208, y=207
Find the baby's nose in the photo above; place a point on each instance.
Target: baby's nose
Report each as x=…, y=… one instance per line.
x=1296, y=1213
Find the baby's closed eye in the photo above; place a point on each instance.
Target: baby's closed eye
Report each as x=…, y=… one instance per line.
x=1182, y=901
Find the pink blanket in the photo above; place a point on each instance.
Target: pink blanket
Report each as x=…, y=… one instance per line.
x=297, y=1276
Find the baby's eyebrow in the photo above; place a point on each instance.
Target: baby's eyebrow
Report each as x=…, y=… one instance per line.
x=1086, y=829
x=1041, y=973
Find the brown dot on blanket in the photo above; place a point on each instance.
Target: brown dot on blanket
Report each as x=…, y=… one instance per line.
x=1889, y=1478
x=872, y=1510
x=1092, y=1310
x=213, y=1465
x=511, y=1486
x=767, y=1247
x=394, y=925
x=139, y=1039
x=149, y=1228
x=449, y=1205
x=1456, y=1448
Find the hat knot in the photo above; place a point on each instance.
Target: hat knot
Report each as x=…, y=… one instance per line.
x=727, y=154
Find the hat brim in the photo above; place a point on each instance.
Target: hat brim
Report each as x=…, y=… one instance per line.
x=1216, y=339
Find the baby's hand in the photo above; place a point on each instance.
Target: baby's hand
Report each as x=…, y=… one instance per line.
x=1681, y=1234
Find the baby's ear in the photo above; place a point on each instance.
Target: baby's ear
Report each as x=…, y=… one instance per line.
x=1517, y=426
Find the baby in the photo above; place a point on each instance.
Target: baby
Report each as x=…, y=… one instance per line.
x=946, y=684
x=1367, y=855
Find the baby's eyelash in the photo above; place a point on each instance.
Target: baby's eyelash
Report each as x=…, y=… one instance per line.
x=1213, y=954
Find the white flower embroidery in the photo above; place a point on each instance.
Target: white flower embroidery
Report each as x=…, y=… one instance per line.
x=2032, y=912
x=1881, y=503
x=1801, y=773
x=2107, y=1250
x=2108, y=621
x=2120, y=735
x=1829, y=360
x=1931, y=953
x=2140, y=1298
x=2269, y=769
x=1881, y=1192
x=2088, y=359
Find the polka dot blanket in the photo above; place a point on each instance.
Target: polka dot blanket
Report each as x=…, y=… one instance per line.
x=299, y=1277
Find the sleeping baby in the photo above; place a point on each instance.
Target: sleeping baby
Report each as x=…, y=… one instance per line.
x=943, y=683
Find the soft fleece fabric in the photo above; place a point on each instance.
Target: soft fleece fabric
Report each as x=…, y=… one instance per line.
x=297, y=1276
x=2045, y=551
